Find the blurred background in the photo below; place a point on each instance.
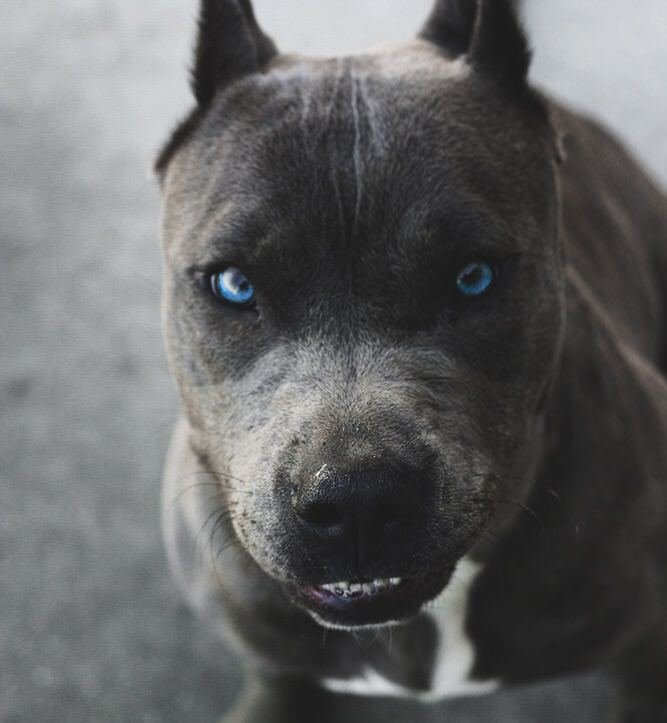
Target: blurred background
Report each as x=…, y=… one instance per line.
x=91, y=627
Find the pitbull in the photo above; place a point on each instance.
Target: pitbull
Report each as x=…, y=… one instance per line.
x=416, y=312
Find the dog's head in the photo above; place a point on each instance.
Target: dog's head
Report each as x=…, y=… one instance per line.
x=363, y=297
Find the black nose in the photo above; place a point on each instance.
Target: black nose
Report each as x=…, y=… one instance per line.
x=364, y=506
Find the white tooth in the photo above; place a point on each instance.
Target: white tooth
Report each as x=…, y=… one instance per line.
x=381, y=583
x=368, y=588
x=394, y=581
x=355, y=587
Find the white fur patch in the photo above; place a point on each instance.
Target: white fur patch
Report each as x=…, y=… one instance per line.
x=456, y=656
x=454, y=660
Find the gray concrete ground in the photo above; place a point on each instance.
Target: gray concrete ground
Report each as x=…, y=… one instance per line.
x=91, y=628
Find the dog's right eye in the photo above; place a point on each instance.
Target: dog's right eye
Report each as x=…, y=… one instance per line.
x=475, y=279
x=233, y=287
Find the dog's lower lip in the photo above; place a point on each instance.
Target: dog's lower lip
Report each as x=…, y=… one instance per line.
x=370, y=602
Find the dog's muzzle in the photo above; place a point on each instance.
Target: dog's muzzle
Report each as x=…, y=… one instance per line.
x=363, y=524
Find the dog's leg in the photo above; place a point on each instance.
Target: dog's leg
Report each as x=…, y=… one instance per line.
x=641, y=677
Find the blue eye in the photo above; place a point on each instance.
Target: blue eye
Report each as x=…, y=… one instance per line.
x=232, y=285
x=475, y=279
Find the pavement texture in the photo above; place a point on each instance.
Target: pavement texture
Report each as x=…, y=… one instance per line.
x=91, y=627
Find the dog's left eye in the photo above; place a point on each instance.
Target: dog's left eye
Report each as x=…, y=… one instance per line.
x=475, y=279
x=232, y=286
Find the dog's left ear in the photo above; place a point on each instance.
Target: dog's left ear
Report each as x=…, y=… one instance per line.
x=230, y=45
x=487, y=32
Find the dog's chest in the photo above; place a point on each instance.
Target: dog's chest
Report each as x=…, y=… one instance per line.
x=454, y=658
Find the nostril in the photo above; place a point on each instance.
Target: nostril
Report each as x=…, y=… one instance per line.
x=322, y=513
x=387, y=515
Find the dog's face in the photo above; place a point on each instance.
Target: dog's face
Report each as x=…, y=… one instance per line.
x=363, y=313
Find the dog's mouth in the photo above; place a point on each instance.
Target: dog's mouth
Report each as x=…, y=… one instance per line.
x=359, y=603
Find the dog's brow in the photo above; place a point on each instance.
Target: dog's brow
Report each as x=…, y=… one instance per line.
x=231, y=235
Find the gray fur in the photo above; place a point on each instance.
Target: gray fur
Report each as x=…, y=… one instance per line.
x=351, y=192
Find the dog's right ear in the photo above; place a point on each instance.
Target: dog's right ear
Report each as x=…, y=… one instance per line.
x=230, y=45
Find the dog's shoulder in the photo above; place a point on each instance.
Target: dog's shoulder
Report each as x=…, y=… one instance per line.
x=614, y=221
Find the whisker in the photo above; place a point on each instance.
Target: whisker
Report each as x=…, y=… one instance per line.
x=197, y=547
x=226, y=515
x=217, y=481
x=523, y=506
x=194, y=486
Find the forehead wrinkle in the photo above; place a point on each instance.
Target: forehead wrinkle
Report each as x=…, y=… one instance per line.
x=318, y=92
x=330, y=106
x=349, y=109
x=377, y=135
x=358, y=183
x=319, y=105
x=333, y=164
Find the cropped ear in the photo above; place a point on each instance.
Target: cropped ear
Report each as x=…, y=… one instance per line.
x=487, y=32
x=230, y=45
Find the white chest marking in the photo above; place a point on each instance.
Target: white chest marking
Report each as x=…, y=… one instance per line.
x=454, y=660
x=456, y=656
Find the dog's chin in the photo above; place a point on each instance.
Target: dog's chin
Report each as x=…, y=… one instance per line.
x=369, y=603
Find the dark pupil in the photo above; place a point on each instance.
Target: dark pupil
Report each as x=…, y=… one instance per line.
x=242, y=284
x=473, y=277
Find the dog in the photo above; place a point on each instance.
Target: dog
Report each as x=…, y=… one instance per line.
x=416, y=312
